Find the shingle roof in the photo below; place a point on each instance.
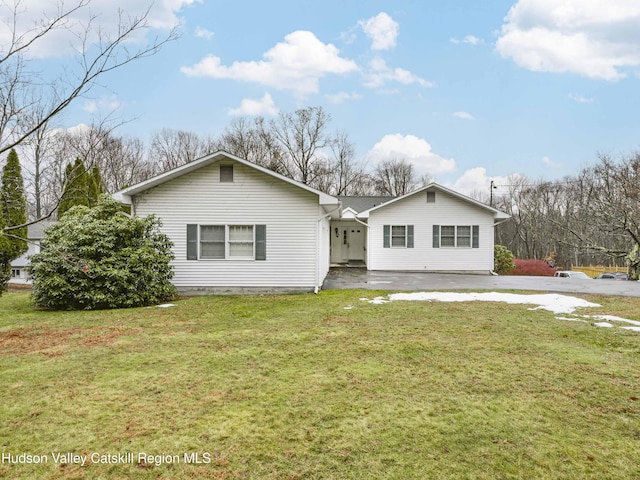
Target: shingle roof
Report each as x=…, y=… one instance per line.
x=362, y=203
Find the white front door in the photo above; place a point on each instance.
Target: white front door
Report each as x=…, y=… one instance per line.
x=339, y=243
x=356, y=242
x=347, y=242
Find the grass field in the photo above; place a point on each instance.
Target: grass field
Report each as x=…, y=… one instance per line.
x=298, y=387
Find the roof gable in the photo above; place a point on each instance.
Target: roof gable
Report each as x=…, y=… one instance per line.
x=126, y=194
x=360, y=203
x=497, y=214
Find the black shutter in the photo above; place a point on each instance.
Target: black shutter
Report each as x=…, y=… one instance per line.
x=261, y=242
x=192, y=242
x=387, y=236
x=436, y=236
x=476, y=237
x=409, y=236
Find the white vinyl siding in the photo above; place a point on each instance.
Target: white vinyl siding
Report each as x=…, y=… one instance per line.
x=447, y=215
x=289, y=213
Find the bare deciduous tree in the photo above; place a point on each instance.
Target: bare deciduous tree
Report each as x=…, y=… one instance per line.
x=121, y=161
x=30, y=103
x=610, y=211
x=302, y=136
x=395, y=177
x=27, y=103
x=172, y=148
x=348, y=175
x=254, y=142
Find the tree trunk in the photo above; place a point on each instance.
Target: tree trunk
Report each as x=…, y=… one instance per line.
x=633, y=263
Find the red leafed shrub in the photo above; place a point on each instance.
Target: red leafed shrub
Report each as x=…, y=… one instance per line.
x=532, y=267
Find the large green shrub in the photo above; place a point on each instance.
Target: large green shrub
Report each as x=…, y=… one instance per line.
x=502, y=260
x=99, y=257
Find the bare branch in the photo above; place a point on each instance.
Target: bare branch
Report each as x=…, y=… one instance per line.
x=20, y=93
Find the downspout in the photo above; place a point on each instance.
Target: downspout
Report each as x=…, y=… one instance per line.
x=317, y=272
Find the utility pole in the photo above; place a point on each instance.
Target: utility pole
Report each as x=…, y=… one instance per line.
x=491, y=187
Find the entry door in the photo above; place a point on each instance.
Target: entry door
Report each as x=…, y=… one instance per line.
x=344, y=244
x=339, y=244
x=356, y=242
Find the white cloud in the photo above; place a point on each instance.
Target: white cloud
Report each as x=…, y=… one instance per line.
x=296, y=64
x=342, y=97
x=204, y=33
x=264, y=106
x=416, y=150
x=469, y=40
x=580, y=98
x=382, y=30
x=66, y=39
x=475, y=180
x=591, y=38
x=549, y=163
x=105, y=103
x=463, y=115
x=379, y=74
x=78, y=129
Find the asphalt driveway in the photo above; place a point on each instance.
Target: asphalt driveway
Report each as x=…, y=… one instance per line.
x=360, y=278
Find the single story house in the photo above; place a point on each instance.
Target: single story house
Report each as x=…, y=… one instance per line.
x=239, y=227
x=35, y=234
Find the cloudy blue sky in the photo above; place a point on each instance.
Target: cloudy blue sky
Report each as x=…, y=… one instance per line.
x=468, y=91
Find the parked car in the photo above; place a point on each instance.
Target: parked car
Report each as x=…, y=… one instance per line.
x=613, y=276
x=571, y=274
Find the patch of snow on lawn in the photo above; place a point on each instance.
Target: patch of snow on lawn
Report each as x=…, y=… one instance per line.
x=568, y=319
x=552, y=302
x=378, y=300
x=166, y=305
x=604, y=324
x=613, y=318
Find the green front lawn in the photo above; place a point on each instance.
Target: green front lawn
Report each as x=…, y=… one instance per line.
x=298, y=387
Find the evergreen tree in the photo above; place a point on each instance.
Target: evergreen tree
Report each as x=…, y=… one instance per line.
x=95, y=186
x=75, y=188
x=13, y=211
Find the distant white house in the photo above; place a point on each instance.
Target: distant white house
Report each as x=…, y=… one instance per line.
x=237, y=226
x=35, y=234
